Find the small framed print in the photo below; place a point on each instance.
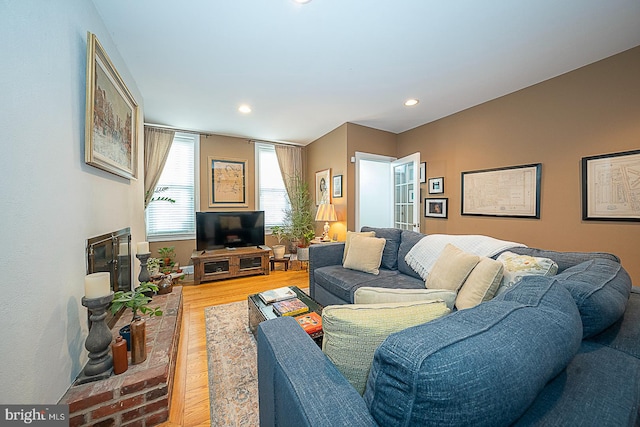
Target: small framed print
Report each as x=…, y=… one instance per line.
x=423, y=172
x=436, y=185
x=435, y=208
x=337, y=186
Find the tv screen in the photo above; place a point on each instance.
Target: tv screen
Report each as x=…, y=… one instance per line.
x=217, y=230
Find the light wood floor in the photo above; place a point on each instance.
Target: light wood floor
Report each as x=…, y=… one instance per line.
x=190, y=400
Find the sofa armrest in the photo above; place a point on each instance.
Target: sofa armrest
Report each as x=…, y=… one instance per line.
x=322, y=255
x=298, y=385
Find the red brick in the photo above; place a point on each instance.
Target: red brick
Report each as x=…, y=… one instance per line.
x=145, y=379
x=77, y=421
x=137, y=423
x=109, y=422
x=153, y=407
x=83, y=399
x=132, y=415
x=120, y=406
x=154, y=394
x=157, y=418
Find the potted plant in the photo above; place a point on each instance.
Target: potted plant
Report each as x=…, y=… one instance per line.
x=153, y=265
x=167, y=255
x=280, y=233
x=303, y=246
x=137, y=301
x=299, y=220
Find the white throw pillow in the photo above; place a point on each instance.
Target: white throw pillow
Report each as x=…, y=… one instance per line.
x=350, y=235
x=365, y=254
x=481, y=285
x=517, y=266
x=353, y=332
x=451, y=269
x=371, y=295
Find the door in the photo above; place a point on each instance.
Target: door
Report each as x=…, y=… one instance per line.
x=406, y=192
x=374, y=191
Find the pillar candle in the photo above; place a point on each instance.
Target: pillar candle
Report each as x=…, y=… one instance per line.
x=97, y=285
x=143, y=248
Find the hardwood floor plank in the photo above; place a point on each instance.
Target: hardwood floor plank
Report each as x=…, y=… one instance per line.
x=190, y=399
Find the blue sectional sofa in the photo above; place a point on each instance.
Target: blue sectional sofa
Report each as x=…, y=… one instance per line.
x=562, y=350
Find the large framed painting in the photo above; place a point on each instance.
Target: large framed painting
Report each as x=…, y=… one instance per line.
x=323, y=186
x=111, y=117
x=227, y=182
x=611, y=187
x=510, y=192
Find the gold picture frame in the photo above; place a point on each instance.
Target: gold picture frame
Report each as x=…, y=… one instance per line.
x=111, y=116
x=227, y=182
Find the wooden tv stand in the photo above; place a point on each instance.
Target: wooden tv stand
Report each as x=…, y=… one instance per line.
x=227, y=263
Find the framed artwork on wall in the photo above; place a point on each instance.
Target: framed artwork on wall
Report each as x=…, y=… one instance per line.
x=423, y=172
x=227, y=182
x=436, y=185
x=435, y=208
x=323, y=186
x=508, y=192
x=611, y=187
x=111, y=116
x=337, y=186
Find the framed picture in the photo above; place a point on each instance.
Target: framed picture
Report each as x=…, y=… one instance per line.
x=423, y=172
x=506, y=192
x=227, y=182
x=435, y=208
x=111, y=116
x=436, y=185
x=337, y=186
x=323, y=190
x=611, y=187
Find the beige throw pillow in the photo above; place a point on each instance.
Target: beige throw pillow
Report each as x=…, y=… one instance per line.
x=451, y=269
x=365, y=254
x=371, y=295
x=481, y=285
x=353, y=332
x=350, y=234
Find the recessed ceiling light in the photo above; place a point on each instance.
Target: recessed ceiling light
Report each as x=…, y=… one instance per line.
x=302, y=1
x=411, y=102
x=244, y=109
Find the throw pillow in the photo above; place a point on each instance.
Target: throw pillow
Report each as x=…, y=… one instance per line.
x=481, y=285
x=365, y=254
x=371, y=295
x=517, y=266
x=451, y=269
x=347, y=242
x=353, y=332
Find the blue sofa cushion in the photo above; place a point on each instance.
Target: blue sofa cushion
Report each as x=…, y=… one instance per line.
x=600, y=288
x=390, y=253
x=623, y=335
x=342, y=282
x=408, y=240
x=600, y=387
x=480, y=367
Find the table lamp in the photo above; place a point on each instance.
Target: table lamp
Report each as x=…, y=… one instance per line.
x=326, y=212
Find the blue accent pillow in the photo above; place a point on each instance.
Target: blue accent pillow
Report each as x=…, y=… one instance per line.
x=483, y=366
x=390, y=253
x=600, y=288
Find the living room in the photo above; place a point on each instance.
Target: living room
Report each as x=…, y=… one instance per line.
x=56, y=201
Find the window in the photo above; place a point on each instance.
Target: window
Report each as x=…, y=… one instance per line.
x=176, y=221
x=271, y=194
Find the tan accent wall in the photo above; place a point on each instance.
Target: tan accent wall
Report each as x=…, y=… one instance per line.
x=590, y=111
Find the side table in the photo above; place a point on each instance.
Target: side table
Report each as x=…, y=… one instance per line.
x=273, y=261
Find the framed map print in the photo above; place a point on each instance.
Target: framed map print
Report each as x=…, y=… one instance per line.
x=227, y=182
x=611, y=187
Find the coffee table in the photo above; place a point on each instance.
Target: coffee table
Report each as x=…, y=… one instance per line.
x=259, y=311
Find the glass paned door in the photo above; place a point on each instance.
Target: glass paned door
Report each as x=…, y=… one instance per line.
x=406, y=193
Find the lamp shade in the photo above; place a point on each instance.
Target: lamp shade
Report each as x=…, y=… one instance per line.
x=326, y=212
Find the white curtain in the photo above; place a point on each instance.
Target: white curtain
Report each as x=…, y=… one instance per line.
x=290, y=162
x=157, y=143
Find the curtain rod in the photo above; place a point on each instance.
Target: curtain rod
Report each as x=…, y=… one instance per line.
x=288, y=144
x=153, y=125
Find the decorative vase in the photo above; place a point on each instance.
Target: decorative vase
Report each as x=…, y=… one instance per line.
x=303, y=254
x=278, y=251
x=125, y=333
x=166, y=285
x=119, y=352
x=138, y=341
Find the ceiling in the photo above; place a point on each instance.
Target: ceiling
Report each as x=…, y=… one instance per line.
x=307, y=69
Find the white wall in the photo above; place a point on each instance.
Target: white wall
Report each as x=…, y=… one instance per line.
x=51, y=201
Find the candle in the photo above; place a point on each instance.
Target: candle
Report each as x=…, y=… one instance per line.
x=143, y=248
x=97, y=285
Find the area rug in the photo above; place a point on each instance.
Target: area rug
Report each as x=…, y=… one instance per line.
x=232, y=363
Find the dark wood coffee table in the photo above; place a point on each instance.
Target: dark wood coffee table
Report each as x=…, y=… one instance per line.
x=259, y=311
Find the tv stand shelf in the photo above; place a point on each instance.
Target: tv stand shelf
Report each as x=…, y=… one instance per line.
x=227, y=263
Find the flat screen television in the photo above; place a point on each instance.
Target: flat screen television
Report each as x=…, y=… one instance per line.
x=218, y=230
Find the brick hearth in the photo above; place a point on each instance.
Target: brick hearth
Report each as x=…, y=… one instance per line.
x=140, y=396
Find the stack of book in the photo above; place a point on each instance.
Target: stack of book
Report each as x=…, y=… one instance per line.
x=275, y=295
x=284, y=302
x=310, y=322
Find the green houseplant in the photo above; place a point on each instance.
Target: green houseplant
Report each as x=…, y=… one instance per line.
x=136, y=300
x=299, y=220
x=167, y=254
x=279, y=232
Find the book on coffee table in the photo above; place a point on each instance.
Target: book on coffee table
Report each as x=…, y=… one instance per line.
x=290, y=307
x=275, y=295
x=310, y=322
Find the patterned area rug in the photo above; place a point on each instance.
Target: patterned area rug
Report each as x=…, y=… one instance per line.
x=233, y=373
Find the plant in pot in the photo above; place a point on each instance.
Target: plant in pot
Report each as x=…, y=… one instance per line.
x=299, y=220
x=153, y=265
x=167, y=255
x=134, y=333
x=303, y=245
x=280, y=233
